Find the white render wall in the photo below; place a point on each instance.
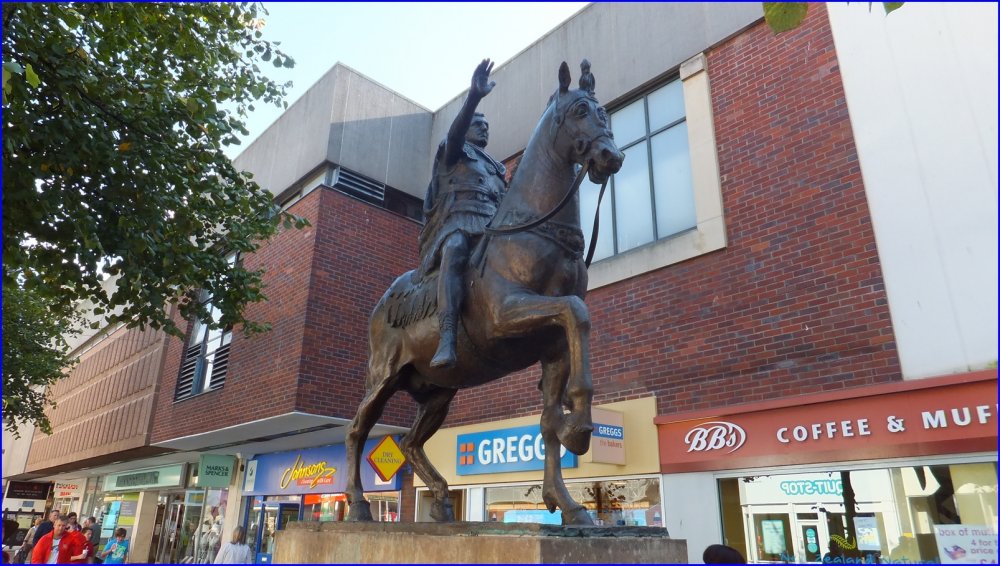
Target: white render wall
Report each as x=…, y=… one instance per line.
x=921, y=86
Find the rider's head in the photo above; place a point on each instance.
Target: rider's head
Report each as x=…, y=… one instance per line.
x=479, y=130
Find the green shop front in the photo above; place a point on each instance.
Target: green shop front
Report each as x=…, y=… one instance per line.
x=171, y=514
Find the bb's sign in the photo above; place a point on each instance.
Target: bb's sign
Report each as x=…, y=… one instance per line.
x=715, y=435
x=932, y=416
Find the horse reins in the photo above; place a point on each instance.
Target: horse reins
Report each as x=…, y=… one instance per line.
x=509, y=230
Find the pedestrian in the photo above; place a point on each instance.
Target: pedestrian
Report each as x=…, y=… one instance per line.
x=88, y=549
x=95, y=538
x=722, y=554
x=72, y=525
x=116, y=550
x=58, y=546
x=46, y=526
x=236, y=551
x=24, y=553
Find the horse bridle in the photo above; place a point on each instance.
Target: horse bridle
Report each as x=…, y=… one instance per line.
x=508, y=230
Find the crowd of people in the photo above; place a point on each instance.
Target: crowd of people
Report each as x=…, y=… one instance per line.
x=62, y=539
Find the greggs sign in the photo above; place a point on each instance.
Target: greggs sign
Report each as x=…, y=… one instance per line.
x=914, y=418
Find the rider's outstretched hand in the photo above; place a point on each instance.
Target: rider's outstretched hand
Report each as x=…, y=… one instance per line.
x=481, y=83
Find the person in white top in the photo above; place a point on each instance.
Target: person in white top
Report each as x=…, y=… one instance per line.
x=236, y=551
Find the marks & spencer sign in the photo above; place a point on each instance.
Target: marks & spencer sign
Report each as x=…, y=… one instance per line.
x=215, y=470
x=505, y=450
x=313, y=470
x=933, y=416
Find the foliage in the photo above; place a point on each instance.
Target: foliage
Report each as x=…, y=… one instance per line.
x=113, y=161
x=785, y=16
x=34, y=355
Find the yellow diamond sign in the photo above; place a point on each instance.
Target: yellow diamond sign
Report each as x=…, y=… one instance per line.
x=386, y=458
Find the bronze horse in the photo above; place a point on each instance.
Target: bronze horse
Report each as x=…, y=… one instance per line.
x=524, y=304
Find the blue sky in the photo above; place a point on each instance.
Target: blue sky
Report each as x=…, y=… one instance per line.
x=424, y=51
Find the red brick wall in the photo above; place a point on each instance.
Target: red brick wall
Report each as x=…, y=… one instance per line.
x=322, y=283
x=795, y=304
x=360, y=250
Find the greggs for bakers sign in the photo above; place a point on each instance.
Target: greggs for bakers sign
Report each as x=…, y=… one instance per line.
x=933, y=416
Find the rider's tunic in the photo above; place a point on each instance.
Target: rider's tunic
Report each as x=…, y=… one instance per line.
x=462, y=198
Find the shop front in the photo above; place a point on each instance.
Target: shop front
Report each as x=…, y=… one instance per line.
x=308, y=485
x=23, y=502
x=67, y=496
x=172, y=514
x=895, y=473
x=495, y=469
x=193, y=519
x=127, y=495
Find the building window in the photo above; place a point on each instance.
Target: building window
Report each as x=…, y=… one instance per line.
x=622, y=502
x=928, y=513
x=652, y=197
x=206, y=358
x=666, y=202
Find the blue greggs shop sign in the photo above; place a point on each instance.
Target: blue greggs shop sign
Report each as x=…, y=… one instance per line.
x=506, y=450
x=313, y=470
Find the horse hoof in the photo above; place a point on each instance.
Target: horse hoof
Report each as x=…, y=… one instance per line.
x=443, y=512
x=575, y=436
x=551, y=502
x=578, y=516
x=360, y=511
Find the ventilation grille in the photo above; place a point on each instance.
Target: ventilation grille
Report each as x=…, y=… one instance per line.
x=193, y=372
x=191, y=368
x=360, y=186
x=220, y=367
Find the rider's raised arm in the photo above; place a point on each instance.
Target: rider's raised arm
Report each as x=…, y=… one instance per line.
x=481, y=86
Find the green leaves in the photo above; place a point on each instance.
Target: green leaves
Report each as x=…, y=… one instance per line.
x=113, y=161
x=31, y=77
x=34, y=354
x=785, y=16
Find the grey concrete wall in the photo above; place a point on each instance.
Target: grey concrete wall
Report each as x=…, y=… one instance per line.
x=350, y=120
x=479, y=543
x=628, y=44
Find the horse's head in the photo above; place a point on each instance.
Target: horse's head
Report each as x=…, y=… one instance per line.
x=583, y=133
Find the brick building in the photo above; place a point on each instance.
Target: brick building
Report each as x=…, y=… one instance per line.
x=794, y=299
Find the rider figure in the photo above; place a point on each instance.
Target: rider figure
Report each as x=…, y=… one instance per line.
x=465, y=189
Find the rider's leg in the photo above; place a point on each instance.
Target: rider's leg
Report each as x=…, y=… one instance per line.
x=454, y=255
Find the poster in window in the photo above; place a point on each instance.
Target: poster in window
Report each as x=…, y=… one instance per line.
x=867, y=531
x=966, y=544
x=774, y=536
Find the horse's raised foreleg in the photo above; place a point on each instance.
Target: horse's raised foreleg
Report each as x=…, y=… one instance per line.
x=555, y=373
x=368, y=414
x=431, y=413
x=522, y=314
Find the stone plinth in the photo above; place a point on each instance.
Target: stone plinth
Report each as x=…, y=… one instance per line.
x=484, y=543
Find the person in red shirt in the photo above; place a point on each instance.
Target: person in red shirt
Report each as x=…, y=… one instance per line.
x=59, y=546
x=88, y=548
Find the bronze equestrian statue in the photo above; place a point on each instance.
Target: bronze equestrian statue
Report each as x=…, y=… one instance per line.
x=524, y=288
x=466, y=187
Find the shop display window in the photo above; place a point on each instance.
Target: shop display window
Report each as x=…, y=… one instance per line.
x=624, y=502
x=915, y=514
x=333, y=506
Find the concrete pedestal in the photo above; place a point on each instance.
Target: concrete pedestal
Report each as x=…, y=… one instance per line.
x=483, y=543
